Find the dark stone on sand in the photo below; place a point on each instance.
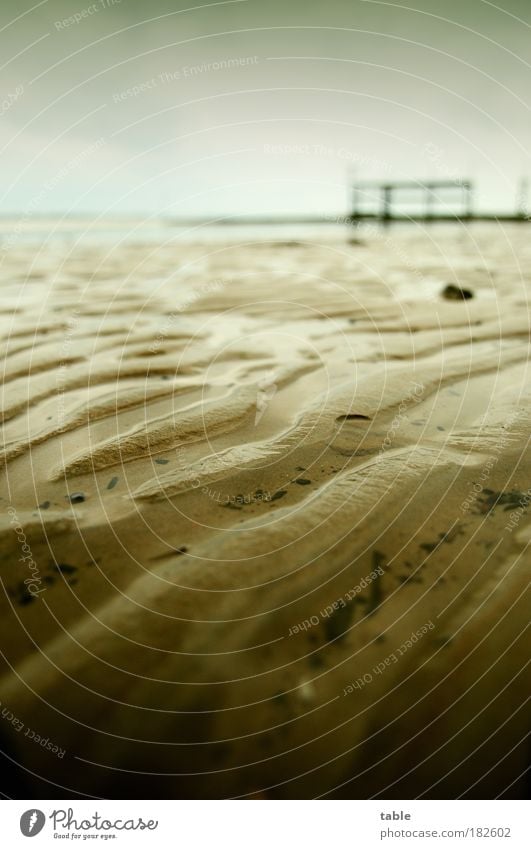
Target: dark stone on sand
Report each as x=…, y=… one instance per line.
x=280, y=494
x=44, y=505
x=26, y=597
x=338, y=623
x=430, y=546
x=161, y=461
x=112, y=483
x=302, y=481
x=76, y=498
x=455, y=293
x=65, y=568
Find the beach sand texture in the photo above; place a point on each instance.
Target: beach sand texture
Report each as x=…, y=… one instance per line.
x=264, y=524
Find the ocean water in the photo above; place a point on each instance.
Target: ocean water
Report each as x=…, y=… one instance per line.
x=64, y=234
x=15, y=231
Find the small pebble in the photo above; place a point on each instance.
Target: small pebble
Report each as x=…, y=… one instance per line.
x=76, y=498
x=456, y=293
x=65, y=568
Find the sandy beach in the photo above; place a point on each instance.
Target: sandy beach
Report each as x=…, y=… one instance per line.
x=264, y=517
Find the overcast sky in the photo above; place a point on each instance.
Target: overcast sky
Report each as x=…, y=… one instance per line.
x=257, y=106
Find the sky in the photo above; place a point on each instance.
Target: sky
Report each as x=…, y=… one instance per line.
x=257, y=107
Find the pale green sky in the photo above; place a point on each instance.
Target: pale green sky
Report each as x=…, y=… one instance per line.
x=252, y=107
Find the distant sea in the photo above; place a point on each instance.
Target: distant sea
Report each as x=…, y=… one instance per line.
x=14, y=231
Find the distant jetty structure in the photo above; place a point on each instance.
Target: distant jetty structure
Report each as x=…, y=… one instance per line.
x=376, y=200
x=433, y=200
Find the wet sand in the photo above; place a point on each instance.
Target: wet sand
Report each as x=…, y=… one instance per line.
x=265, y=516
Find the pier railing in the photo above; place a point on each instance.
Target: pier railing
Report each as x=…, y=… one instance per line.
x=434, y=197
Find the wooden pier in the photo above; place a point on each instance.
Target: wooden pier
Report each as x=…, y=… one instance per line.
x=375, y=200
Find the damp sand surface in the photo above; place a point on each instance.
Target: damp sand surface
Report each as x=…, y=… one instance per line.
x=264, y=526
